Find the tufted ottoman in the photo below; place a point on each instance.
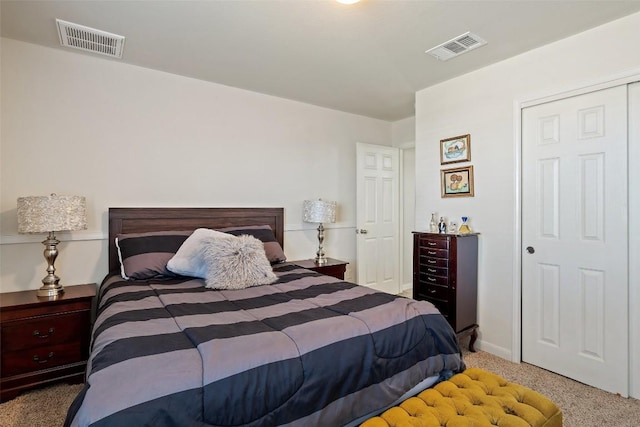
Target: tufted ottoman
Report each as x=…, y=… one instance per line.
x=473, y=398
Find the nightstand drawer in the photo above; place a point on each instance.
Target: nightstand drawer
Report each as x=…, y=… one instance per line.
x=44, y=331
x=20, y=362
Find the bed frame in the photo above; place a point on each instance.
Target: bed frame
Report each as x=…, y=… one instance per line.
x=141, y=220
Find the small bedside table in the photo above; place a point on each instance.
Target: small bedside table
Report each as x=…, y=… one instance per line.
x=44, y=340
x=333, y=267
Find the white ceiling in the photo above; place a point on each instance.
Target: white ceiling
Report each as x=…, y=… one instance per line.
x=366, y=58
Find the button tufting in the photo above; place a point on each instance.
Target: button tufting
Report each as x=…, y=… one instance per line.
x=453, y=398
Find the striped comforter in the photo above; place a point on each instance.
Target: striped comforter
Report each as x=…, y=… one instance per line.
x=307, y=350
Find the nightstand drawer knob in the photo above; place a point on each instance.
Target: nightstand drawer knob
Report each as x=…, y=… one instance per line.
x=37, y=359
x=36, y=333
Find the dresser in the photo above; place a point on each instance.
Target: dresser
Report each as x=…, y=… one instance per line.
x=44, y=340
x=445, y=273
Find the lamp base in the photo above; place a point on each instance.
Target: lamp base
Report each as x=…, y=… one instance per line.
x=51, y=286
x=320, y=260
x=47, y=291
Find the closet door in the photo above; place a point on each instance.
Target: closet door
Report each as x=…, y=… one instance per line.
x=575, y=238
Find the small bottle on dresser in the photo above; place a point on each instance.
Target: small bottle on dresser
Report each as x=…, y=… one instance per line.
x=433, y=227
x=442, y=226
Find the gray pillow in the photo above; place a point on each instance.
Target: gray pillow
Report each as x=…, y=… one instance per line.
x=145, y=255
x=236, y=263
x=272, y=247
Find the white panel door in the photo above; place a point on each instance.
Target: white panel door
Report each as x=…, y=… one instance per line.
x=574, y=259
x=378, y=208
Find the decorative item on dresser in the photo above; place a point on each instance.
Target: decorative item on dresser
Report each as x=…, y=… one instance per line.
x=319, y=211
x=44, y=341
x=48, y=214
x=333, y=267
x=445, y=273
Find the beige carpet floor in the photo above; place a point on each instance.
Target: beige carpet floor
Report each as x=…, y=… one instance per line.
x=581, y=405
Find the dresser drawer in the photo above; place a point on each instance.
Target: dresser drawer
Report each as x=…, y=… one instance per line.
x=44, y=331
x=434, y=253
x=438, y=292
x=434, y=262
x=434, y=280
x=434, y=271
x=23, y=361
x=430, y=243
x=441, y=305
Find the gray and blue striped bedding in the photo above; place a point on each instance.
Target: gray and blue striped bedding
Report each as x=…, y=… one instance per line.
x=308, y=350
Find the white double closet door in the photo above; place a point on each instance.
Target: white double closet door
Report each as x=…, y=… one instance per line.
x=575, y=280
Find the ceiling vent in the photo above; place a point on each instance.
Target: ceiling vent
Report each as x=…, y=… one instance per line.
x=90, y=39
x=456, y=46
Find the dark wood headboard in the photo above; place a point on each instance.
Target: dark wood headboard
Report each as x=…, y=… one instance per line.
x=141, y=220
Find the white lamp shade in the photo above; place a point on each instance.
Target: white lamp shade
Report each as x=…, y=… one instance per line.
x=319, y=211
x=42, y=214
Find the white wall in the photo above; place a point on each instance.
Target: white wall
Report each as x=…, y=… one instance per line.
x=483, y=103
x=128, y=136
x=403, y=132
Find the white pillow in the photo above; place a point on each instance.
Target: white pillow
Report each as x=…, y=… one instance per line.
x=236, y=263
x=188, y=260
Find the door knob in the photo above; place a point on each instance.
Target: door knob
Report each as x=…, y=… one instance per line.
x=361, y=231
x=530, y=249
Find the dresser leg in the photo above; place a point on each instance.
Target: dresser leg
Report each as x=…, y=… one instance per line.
x=472, y=341
x=470, y=331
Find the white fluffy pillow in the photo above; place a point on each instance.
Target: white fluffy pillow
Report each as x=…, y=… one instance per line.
x=236, y=263
x=188, y=259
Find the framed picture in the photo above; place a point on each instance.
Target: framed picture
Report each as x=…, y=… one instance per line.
x=455, y=150
x=457, y=182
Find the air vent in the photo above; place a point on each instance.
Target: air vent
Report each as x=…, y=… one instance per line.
x=90, y=39
x=456, y=46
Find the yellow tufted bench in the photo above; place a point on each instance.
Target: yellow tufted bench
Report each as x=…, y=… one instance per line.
x=474, y=398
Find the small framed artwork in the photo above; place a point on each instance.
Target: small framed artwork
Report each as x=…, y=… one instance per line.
x=457, y=182
x=455, y=150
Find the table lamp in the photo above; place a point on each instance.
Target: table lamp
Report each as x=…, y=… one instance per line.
x=48, y=214
x=319, y=211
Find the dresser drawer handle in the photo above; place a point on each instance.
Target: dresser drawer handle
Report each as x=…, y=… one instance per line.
x=432, y=270
x=431, y=253
x=430, y=261
x=432, y=291
x=36, y=333
x=37, y=359
x=431, y=279
x=431, y=243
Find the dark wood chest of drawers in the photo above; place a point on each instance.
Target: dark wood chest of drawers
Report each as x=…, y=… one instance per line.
x=445, y=273
x=44, y=340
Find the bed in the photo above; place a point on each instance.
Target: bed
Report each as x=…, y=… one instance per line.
x=306, y=350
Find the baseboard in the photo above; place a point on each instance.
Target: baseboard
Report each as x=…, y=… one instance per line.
x=501, y=352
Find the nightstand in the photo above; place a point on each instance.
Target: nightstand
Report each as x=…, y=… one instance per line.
x=44, y=340
x=333, y=267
